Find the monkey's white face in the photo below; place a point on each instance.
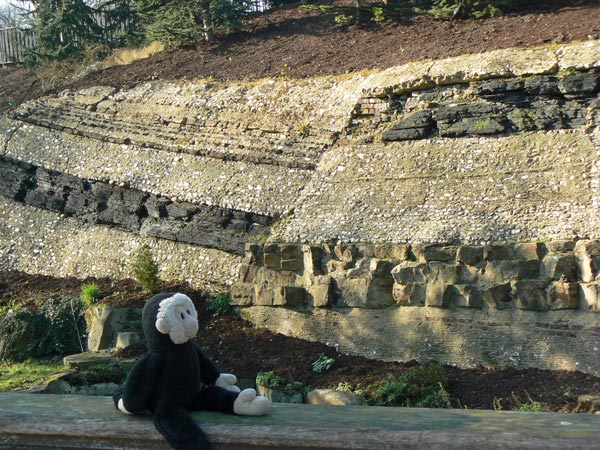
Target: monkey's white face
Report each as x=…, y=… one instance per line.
x=178, y=318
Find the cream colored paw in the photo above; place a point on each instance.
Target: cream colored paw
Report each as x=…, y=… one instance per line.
x=227, y=381
x=249, y=404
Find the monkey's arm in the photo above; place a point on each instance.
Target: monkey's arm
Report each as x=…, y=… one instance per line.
x=209, y=372
x=135, y=395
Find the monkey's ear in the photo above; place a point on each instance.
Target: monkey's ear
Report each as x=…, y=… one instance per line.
x=162, y=325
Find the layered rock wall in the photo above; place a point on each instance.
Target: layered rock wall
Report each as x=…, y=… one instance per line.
x=439, y=210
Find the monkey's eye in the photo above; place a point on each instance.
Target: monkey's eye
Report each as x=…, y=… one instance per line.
x=189, y=313
x=182, y=316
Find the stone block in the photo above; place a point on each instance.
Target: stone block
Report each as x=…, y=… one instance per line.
x=411, y=272
x=272, y=258
x=557, y=266
x=498, y=296
x=338, y=266
x=531, y=295
x=393, y=252
x=464, y=296
x=88, y=359
x=275, y=277
x=411, y=294
x=332, y=397
x=561, y=245
x=276, y=396
x=471, y=255
x=321, y=291
x=437, y=295
x=468, y=274
x=264, y=295
x=292, y=265
x=344, y=252
x=103, y=324
x=435, y=252
x=499, y=252
x=248, y=273
x=506, y=270
x=313, y=255
x=290, y=296
x=366, y=250
x=563, y=295
x=242, y=294
x=442, y=273
x=579, y=83
x=180, y=210
x=529, y=251
x=587, y=254
x=589, y=296
x=127, y=338
x=365, y=292
x=252, y=254
x=417, y=125
x=157, y=206
x=380, y=268
x=290, y=251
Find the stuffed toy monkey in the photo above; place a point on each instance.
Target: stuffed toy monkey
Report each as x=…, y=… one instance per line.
x=174, y=376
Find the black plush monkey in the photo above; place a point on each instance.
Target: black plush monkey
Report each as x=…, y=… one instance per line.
x=174, y=376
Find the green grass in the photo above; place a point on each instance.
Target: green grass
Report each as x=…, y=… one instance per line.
x=28, y=373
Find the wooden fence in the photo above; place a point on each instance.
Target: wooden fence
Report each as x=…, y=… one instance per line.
x=13, y=42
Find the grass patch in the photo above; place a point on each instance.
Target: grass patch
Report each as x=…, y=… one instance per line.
x=28, y=373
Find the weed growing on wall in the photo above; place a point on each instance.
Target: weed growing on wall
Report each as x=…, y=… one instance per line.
x=145, y=270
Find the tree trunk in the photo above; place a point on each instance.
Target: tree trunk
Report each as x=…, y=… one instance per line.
x=207, y=23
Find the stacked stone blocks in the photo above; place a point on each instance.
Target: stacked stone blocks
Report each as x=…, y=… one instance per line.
x=537, y=276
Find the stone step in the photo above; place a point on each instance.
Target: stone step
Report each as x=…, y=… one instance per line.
x=43, y=421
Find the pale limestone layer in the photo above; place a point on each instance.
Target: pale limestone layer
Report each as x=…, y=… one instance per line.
x=265, y=189
x=511, y=338
x=520, y=187
x=39, y=241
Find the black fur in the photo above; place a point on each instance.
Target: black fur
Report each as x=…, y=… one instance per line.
x=170, y=380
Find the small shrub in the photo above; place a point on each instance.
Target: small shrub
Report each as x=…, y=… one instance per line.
x=56, y=329
x=295, y=387
x=220, y=303
x=528, y=406
x=344, y=20
x=422, y=386
x=145, y=270
x=269, y=380
x=90, y=293
x=322, y=364
x=378, y=15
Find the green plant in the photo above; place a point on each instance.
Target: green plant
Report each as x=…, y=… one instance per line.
x=145, y=270
x=344, y=20
x=322, y=364
x=269, y=380
x=90, y=293
x=528, y=406
x=220, y=303
x=53, y=330
x=378, y=14
x=295, y=387
x=423, y=386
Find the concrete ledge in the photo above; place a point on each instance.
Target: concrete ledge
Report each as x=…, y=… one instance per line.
x=37, y=421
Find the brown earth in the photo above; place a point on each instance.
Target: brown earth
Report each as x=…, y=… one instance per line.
x=296, y=43
x=238, y=347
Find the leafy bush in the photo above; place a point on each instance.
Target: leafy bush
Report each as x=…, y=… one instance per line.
x=322, y=364
x=145, y=270
x=90, y=293
x=269, y=380
x=174, y=26
x=220, y=303
x=466, y=8
x=422, y=386
x=56, y=329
